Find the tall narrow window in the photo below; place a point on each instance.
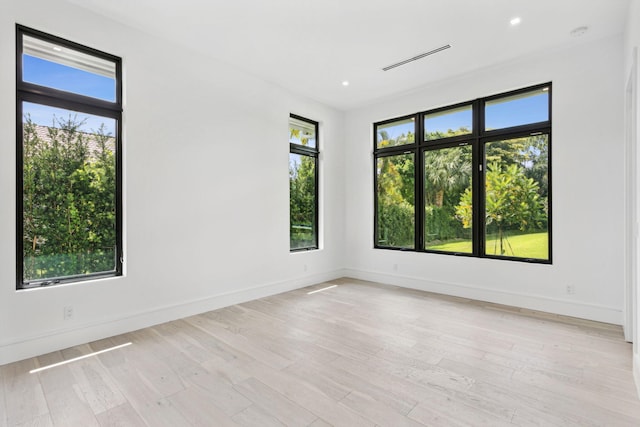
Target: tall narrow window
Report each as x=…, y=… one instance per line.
x=303, y=183
x=395, y=183
x=69, y=211
x=396, y=205
x=476, y=182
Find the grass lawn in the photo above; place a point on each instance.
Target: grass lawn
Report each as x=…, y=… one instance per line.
x=532, y=245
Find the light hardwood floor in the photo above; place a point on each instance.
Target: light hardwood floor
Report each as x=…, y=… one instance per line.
x=358, y=354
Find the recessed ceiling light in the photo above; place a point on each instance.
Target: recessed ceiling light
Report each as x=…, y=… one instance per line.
x=345, y=83
x=57, y=49
x=515, y=21
x=580, y=31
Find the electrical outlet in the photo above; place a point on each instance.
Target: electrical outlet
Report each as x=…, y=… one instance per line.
x=68, y=312
x=571, y=289
x=395, y=267
x=305, y=267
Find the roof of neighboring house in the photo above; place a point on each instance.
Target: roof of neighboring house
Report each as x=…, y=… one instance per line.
x=42, y=132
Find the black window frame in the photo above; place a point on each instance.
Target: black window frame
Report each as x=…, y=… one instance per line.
x=478, y=138
x=314, y=153
x=43, y=95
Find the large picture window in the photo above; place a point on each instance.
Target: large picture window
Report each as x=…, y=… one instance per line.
x=69, y=179
x=476, y=180
x=303, y=183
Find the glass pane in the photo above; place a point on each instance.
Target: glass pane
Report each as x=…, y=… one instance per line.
x=302, y=201
x=517, y=191
x=59, y=67
x=69, y=193
x=302, y=133
x=522, y=109
x=396, y=133
x=458, y=121
x=448, y=199
x=395, y=198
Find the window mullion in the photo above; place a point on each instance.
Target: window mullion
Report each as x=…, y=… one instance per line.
x=478, y=180
x=419, y=183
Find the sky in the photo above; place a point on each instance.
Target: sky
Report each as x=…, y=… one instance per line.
x=504, y=113
x=44, y=115
x=509, y=112
x=58, y=76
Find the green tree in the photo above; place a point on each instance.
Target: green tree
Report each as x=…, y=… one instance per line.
x=445, y=170
x=511, y=200
x=530, y=152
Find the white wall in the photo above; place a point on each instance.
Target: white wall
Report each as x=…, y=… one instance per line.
x=587, y=185
x=206, y=189
x=631, y=48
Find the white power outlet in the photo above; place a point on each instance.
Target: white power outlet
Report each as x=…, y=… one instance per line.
x=395, y=267
x=68, y=312
x=571, y=289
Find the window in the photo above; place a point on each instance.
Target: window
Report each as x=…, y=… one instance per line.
x=69, y=179
x=303, y=183
x=476, y=182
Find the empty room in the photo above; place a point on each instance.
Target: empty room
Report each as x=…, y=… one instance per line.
x=319, y=213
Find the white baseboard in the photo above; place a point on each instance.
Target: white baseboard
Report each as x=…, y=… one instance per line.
x=636, y=371
x=49, y=341
x=581, y=310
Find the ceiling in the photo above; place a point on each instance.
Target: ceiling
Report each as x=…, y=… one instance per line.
x=311, y=46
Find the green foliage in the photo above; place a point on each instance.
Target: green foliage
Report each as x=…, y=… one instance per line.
x=441, y=225
x=446, y=170
x=512, y=202
x=302, y=201
x=530, y=151
x=69, y=215
x=396, y=224
x=512, y=199
x=384, y=140
x=463, y=130
x=396, y=201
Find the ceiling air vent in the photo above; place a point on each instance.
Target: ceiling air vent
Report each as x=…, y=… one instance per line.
x=415, y=58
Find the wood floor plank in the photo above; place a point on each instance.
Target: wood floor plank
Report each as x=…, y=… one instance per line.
x=454, y=412
x=198, y=410
x=320, y=423
x=346, y=381
x=147, y=365
x=274, y=404
x=432, y=417
x=356, y=354
x=242, y=344
x=66, y=403
x=376, y=411
x=24, y=397
x=147, y=401
x=256, y=416
x=219, y=392
x=307, y=396
x=95, y=385
x=120, y=416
